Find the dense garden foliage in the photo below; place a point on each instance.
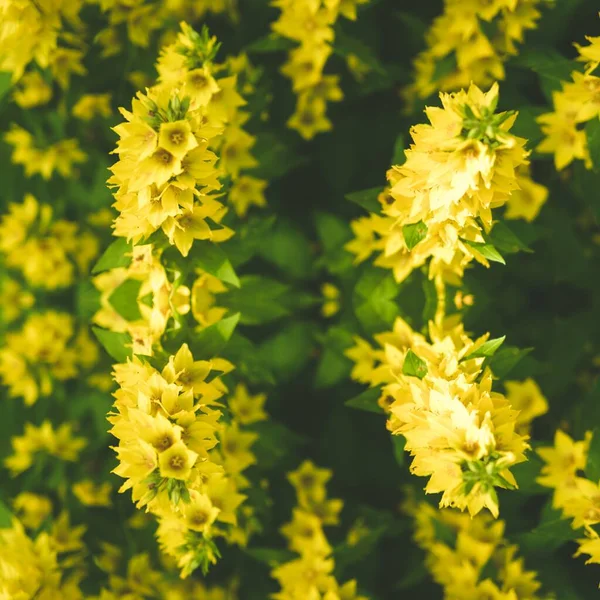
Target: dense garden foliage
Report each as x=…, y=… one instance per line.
x=299, y=299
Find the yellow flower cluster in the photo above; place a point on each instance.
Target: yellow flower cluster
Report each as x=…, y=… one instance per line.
x=439, y=202
x=577, y=497
x=142, y=18
x=168, y=424
x=46, y=251
x=461, y=434
x=49, y=565
x=31, y=31
x=60, y=443
x=460, y=49
x=311, y=574
x=311, y=24
x=61, y=156
x=139, y=581
x=576, y=103
x=183, y=64
x=470, y=558
x=167, y=174
x=45, y=349
x=14, y=299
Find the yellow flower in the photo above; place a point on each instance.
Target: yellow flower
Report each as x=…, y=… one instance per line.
x=32, y=90
x=527, y=398
x=90, y=106
x=177, y=461
x=245, y=408
x=200, y=513
x=527, y=201
x=90, y=494
x=245, y=192
x=32, y=509
x=177, y=138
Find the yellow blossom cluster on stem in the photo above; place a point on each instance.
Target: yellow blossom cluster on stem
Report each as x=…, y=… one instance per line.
x=48, y=348
x=31, y=30
x=47, y=565
x=48, y=252
x=461, y=434
x=184, y=64
x=179, y=458
x=574, y=105
x=311, y=574
x=461, y=49
x=470, y=558
x=438, y=205
x=576, y=496
x=60, y=157
x=311, y=24
x=141, y=18
x=60, y=443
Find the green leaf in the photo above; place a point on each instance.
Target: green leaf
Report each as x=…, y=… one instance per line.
x=5, y=516
x=270, y=556
x=506, y=359
x=275, y=158
x=526, y=474
x=486, y=250
x=248, y=239
x=124, y=299
x=398, y=157
x=546, y=62
x=552, y=532
x=373, y=299
x=414, y=366
x=398, y=443
x=333, y=234
x=444, y=67
x=287, y=352
x=592, y=133
x=414, y=233
x=275, y=443
x=334, y=366
x=87, y=300
x=270, y=43
x=503, y=237
x=5, y=83
x=346, y=45
x=367, y=401
x=248, y=363
x=118, y=345
x=486, y=349
x=366, y=199
x=258, y=300
x=592, y=466
x=212, y=259
x=209, y=342
x=289, y=249
x=118, y=254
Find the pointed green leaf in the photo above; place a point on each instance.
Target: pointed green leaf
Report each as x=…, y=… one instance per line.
x=486, y=349
x=118, y=254
x=414, y=233
x=124, y=299
x=414, y=366
x=486, y=250
x=208, y=342
x=506, y=359
x=5, y=516
x=118, y=345
x=212, y=259
x=367, y=401
x=366, y=199
x=504, y=239
x=398, y=157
